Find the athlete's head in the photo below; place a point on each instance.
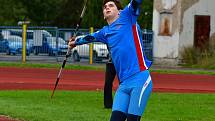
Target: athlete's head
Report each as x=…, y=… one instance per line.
x=111, y=9
x=117, y=3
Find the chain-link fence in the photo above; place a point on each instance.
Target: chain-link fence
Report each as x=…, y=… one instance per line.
x=49, y=44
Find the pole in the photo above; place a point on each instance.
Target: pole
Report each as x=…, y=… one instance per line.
x=91, y=47
x=24, y=31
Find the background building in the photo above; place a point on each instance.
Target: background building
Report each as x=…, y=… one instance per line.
x=181, y=23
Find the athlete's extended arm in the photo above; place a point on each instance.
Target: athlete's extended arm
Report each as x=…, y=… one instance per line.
x=79, y=40
x=135, y=5
x=94, y=37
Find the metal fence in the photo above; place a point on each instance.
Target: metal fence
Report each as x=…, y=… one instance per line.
x=148, y=43
x=50, y=44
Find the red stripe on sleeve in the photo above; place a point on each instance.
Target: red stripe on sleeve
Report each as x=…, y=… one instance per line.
x=138, y=48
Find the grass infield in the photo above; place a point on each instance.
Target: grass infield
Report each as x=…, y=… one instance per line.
x=88, y=106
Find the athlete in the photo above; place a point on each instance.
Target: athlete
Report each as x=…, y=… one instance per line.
x=110, y=74
x=126, y=46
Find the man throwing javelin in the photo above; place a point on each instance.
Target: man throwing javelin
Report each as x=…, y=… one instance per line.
x=126, y=46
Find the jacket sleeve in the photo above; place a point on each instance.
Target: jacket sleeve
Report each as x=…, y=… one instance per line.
x=134, y=6
x=94, y=37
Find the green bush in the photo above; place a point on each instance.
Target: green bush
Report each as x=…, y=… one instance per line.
x=194, y=57
x=190, y=55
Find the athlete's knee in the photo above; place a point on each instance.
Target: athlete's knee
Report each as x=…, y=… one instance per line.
x=131, y=117
x=118, y=116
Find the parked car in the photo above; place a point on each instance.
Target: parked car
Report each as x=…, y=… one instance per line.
x=3, y=43
x=13, y=45
x=52, y=46
x=57, y=46
x=100, y=52
x=37, y=39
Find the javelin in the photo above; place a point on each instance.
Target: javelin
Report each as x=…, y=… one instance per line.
x=69, y=50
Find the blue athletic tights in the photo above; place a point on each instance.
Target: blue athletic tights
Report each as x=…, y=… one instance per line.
x=120, y=116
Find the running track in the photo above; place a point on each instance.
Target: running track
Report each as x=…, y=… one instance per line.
x=44, y=79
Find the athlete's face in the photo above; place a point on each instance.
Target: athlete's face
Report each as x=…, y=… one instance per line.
x=110, y=10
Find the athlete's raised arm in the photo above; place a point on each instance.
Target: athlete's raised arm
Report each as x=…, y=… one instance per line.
x=135, y=6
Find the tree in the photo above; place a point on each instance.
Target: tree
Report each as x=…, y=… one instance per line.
x=145, y=18
x=43, y=12
x=94, y=15
x=63, y=13
x=11, y=11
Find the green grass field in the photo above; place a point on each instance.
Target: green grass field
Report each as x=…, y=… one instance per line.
x=88, y=106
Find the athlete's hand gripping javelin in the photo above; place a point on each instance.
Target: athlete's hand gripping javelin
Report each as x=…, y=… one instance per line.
x=71, y=43
x=75, y=40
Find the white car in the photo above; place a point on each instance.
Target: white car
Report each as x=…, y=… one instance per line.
x=100, y=52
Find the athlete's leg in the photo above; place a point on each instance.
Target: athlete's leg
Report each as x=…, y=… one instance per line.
x=139, y=98
x=118, y=116
x=131, y=117
x=109, y=78
x=120, y=104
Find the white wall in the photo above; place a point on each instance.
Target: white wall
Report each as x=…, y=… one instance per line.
x=164, y=46
x=168, y=3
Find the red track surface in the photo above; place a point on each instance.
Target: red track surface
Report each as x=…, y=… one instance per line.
x=5, y=118
x=29, y=79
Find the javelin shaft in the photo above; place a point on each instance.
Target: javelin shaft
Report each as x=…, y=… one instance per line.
x=78, y=25
x=80, y=19
x=58, y=77
x=69, y=50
